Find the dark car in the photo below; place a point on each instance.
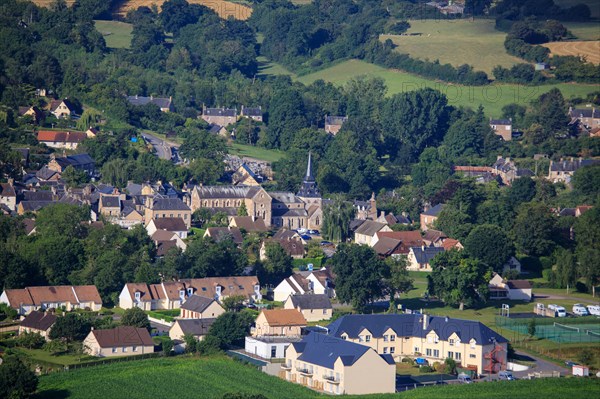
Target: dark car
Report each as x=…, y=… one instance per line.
x=325, y=243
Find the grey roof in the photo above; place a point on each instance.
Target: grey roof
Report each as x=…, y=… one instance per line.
x=214, y=128
x=219, y=111
x=284, y=196
x=309, y=188
x=324, y=350
x=584, y=113
x=77, y=160
x=311, y=301
x=411, y=325
x=285, y=212
x=160, y=102
x=134, y=189
x=434, y=211
x=426, y=254
x=335, y=120
x=355, y=224
x=170, y=224
x=110, y=201
x=500, y=122
x=32, y=206
x=572, y=165
x=221, y=233
x=168, y=204
x=567, y=212
x=251, y=111
x=39, y=320
x=369, y=228
x=42, y=195
x=195, y=326
x=197, y=303
x=285, y=234
x=227, y=191
x=45, y=173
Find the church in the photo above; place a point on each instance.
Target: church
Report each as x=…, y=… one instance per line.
x=302, y=210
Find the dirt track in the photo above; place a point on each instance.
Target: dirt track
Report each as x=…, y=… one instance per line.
x=588, y=49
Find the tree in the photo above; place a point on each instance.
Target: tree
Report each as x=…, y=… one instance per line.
x=167, y=346
x=234, y=303
x=531, y=327
x=398, y=280
x=565, y=269
x=231, y=328
x=242, y=210
x=521, y=190
x=71, y=327
x=336, y=219
x=587, y=236
x=550, y=112
x=533, y=229
x=359, y=273
x=491, y=245
x=191, y=343
x=277, y=265
x=60, y=220
x=586, y=180
x=16, y=380
x=31, y=340
x=74, y=177
x=135, y=317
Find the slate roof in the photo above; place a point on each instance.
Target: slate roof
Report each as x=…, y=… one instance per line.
x=33, y=206
x=434, y=211
x=122, y=336
x=411, y=325
x=369, y=228
x=169, y=204
x=39, y=320
x=28, y=225
x=110, y=201
x=219, y=112
x=251, y=111
x=42, y=195
x=284, y=196
x=7, y=190
x=425, y=255
x=285, y=212
x=386, y=246
x=195, y=326
x=285, y=234
x=335, y=120
x=519, y=284
x=221, y=233
x=573, y=165
x=197, y=303
x=214, y=128
x=160, y=102
x=311, y=301
x=500, y=122
x=227, y=191
x=324, y=350
x=170, y=224
x=584, y=113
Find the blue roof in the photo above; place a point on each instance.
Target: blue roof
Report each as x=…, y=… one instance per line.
x=324, y=350
x=411, y=325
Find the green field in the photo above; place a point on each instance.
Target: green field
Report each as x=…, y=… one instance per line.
x=264, y=154
x=492, y=97
x=457, y=42
x=116, y=34
x=187, y=377
x=584, y=30
x=265, y=68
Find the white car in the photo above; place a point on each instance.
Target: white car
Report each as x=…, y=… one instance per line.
x=580, y=310
x=559, y=311
x=594, y=310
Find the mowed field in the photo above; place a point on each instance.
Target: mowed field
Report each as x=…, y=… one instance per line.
x=116, y=34
x=493, y=97
x=456, y=42
x=590, y=50
x=225, y=9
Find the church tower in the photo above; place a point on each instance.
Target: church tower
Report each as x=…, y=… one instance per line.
x=309, y=192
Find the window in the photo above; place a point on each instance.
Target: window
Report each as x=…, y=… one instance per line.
x=436, y=353
x=392, y=338
x=457, y=355
x=428, y=352
x=392, y=349
x=114, y=350
x=472, y=356
x=344, y=337
x=472, y=344
x=385, y=349
x=124, y=349
x=368, y=338
x=429, y=339
x=361, y=338
x=324, y=311
x=436, y=339
x=134, y=349
x=450, y=355
x=385, y=338
x=451, y=342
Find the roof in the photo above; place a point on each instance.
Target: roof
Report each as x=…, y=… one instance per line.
x=164, y=235
x=87, y=293
x=227, y=191
x=285, y=212
x=291, y=247
x=197, y=303
x=284, y=317
x=519, y=284
x=163, y=246
x=285, y=234
x=214, y=128
x=369, y=228
x=408, y=238
x=247, y=223
x=584, y=113
x=433, y=211
x=160, y=102
x=195, y=326
x=408, y=325
x=500, y=122
x=7, y=190
x=39, y=320
x=324, y=350
x=285, y=197
x=386, y=246
x=236, y=285
x=221, y=233
x=169, y=204
x=28, y=225
x=311, y=301
x=59, y=136
x=335, y=120
x=110, y=201
x=424, y=255
x=122, y=336
x=34, y=206
x=432, y=235
x=219, y=112
x=572, y=165
x=251, y=111
x=451, y=243
x=55, y=103
x=170, y=224
x=53, y=294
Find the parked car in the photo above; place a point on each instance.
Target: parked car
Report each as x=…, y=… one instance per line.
x=559, y=311
x=306, y=237
x=421, y=361
x=325, y=243
x=301, y=230
x=314, y=232
x=569, y=363
x=594, y=310
x=506, y=375
x=580, y=310
x=464, y=379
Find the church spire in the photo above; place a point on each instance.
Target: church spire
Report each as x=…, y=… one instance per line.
x=309, y=176
x=309, y=188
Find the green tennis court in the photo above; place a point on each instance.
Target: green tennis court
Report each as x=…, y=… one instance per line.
x=556, y=330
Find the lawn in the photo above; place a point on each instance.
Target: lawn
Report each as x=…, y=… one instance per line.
x=264, y=154
x=116, y=34
x=456, y=41
x=47, y=357
x=212, y=377
x=493, y=97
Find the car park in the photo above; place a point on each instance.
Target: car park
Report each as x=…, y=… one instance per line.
x=506, y=375
x=580, y=310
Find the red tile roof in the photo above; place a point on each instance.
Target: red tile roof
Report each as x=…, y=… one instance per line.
x=60, y=136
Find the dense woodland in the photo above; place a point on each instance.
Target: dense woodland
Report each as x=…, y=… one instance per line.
x=402, y=146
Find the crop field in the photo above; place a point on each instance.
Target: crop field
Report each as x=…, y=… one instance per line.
x=116, y=34
x=456, y=42
x=225, y=9
x=492, y=97
x=590, y=50
x=584, y=30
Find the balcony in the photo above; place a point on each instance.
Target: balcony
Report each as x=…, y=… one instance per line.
x=331, y=379
x=285, y=366
x=305, y=372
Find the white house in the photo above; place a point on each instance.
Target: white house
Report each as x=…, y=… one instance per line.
x=172, y=225
x=269, y=347
x=517, y=290
x=315, y=282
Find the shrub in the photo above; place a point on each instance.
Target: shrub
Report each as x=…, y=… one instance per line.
x=167, y=347
x=439, y=367
x=585, y=357
x=449, y=366
x=407, y=360
x=426, y=369
x=209, y=345
x=31, y=340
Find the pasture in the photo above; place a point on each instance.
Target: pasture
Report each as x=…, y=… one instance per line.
x=584, y=30
x=590, y=50
x=493, y=97
x=457, y=42
x=116, y=34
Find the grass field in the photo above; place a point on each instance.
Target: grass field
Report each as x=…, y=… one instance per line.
x=266, y=67
x=590, y=50
x=584, y=30
x=212, y=377
x=116, y=34
x=492, y=97
x=264, y=154
x=457, y=42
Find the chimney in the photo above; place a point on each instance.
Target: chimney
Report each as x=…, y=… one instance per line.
x=423, y=247
x=425, y=322
x=446, y=319
x=498, y=157
x=11, y=181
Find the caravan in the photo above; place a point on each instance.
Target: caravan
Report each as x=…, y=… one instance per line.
x=580, y=310
x=559, y=311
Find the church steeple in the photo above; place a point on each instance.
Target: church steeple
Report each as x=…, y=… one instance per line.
x=309, y=188
x=309, y=176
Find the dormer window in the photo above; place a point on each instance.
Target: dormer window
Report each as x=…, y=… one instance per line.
x=138, y=295
x=190, y=291
x=257, y=288
x=218, y=290
x=181, y=294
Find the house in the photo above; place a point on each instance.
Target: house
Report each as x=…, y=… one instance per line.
x=70, y=297
x=294, y=248
x=45, y=174
x=451, y=243
x=366, y=209
x=219, y=234
x=283, y=322
x=396, y=242
x=435, y=238
x=508, y=171
x=32, y=206
x=198, y=328
x=78, y=161
x=165, y=240
x=512, y=264
x=38, y=323
x=29, y=226
x=165, y=104
x=159, y=208
x=515, y=290
x=254, y=113
x=314, y=307
x=333, y=124
x=34, y=112
x=8, y=195
x=171, y=294
x=470, y=343
x=270, y=346
x=199, y=307
x=329, y=364
x=420, y=257
x=249, y=224
x=62, y=109
x=119, y=341
x=563, y=170
x=502, y=128
x=218, y=130
x=174, y=225
x=244, y=176
x=308, y=282
x=220, y=116
x=430, y=215
x=61, y=139
x=365, y=233
x=588, y=117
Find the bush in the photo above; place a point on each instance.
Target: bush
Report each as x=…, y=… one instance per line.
x=167, y=347
x=426, y=369
x=439, y=367
x=209, y=345
x=585, y=357
x=407, y=360
x=31, y=340
x=449, y=366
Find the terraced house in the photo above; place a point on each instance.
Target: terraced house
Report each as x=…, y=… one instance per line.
x=69, y=297
x=469, y=343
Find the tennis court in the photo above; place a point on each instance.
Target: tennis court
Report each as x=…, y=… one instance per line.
x=555, y=329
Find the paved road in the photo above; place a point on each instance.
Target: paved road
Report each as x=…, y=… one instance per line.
x=541, y=365
x=162, y=148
